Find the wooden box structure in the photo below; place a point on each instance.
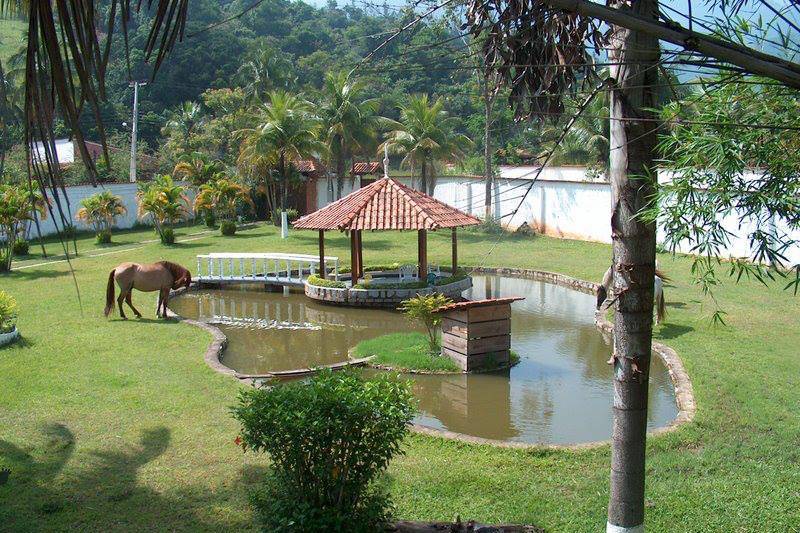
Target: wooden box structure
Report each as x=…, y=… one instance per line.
x=476, y=335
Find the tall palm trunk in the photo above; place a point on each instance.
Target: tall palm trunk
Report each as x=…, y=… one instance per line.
x=340, y=170
x=423, y=180
x=633, y=182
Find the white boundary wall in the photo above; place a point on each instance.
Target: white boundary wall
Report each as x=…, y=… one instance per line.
x=76, y=193
x=564, y=202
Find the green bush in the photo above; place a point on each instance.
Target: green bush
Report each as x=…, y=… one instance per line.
x=329, y=283
x=103, y=236
x=5, y=264
x=373, y=268
x=292, y=215
x=167, y=236
x=458, y=276
x=490, y=226
x=329, y=441
x=227, y=228
x=69, y=232
x=209, y=219
x=424, y=308
x=8, y=312
x=20, y=248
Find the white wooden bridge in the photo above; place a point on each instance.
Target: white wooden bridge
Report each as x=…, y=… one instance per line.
x=273, y=269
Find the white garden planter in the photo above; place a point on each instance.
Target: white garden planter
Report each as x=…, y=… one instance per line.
x=8, y=338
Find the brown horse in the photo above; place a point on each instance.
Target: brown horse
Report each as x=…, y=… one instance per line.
x=161, y=276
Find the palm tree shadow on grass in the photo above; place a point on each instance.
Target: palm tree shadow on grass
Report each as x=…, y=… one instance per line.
x=46, y=489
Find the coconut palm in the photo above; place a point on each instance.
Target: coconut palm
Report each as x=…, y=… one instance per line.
x=586, y=143
x=222, y=196
x=350, y=121
x=287, y=131
x=265, y=71
x=100, y=211
x=183, y=122
x=196, y=168
x=425, y=137
x=17, y=206
x=164, y=202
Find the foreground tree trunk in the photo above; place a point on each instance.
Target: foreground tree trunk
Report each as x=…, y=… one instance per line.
x=487, y=149
x=633, y=181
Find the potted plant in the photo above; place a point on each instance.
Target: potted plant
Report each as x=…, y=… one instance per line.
x=100, y=211
x=8, y=319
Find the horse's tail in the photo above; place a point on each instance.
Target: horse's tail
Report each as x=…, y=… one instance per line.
x=664, y=277
x=110, y=293
x=661, y=309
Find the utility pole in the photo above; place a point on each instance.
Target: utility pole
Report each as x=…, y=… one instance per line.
x=135, y=126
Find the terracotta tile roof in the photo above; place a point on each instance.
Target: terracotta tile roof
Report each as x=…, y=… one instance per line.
x=366, y=167
x=311, y=167
x=386, y=204
x=478, y=303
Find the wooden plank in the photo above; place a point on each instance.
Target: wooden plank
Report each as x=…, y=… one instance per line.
x=476, y=346
x=478, y=361
x=460, y=315
x=487, y=313
x=476, y=330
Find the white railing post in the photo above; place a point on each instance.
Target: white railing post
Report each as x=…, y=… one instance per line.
x=253, y=268
x=336, y=269
x=210, y=266
x=241, y=266
x=199, y=271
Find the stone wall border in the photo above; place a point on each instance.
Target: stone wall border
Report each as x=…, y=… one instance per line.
x=378, y=297
x=9, y=337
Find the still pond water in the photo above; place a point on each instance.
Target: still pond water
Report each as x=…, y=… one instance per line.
x=559, y=393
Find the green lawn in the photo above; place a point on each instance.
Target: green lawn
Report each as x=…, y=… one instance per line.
x=404, y=351
x=111, y=425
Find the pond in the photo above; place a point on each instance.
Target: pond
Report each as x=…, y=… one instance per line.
x=559, y=393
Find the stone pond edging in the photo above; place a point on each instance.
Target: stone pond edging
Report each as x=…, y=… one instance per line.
x=9, y=338
x=684, y=394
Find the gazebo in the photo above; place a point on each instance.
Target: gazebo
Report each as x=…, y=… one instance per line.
x=386, y=204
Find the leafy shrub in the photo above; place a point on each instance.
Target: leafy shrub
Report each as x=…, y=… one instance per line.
x=423, y=308
x=209, y=219
x=8, y=312
x=103, y=236
x=292, y=215
x=490, y=226
x=458, y=276
x=329, y=441
x=167, y=236
x=5, y=261
x=329, y=283
x=20, y=247
x=227, y=228
x=373, y=268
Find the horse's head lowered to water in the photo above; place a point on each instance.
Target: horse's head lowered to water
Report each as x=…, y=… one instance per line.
x=181, y=276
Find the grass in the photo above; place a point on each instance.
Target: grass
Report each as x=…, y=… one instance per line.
x=405, y=352
x=112, y=425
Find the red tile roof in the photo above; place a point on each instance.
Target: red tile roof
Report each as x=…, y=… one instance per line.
x=479, y=303
x=386, y=204
x=311, y=167
x=366, y=167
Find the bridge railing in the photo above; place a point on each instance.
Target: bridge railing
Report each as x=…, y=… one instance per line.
x=281, y=268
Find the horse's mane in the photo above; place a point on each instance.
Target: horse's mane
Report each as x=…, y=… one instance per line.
x=175, y=269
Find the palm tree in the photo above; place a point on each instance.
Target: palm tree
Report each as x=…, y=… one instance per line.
x=349, y=120
x=424, y=136
x=586, y=143
x=17, y=206
x=196, y=168
x=183, y=122
x=165, y=203
x=266, y=70
x=287, y=131
x=101, y=210
x=222, y=196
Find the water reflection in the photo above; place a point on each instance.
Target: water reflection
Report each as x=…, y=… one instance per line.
x=559, y=393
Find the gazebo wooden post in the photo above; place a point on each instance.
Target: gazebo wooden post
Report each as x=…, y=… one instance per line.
x=360, y=254
x=422, y=253
x=454, y=240
x=353, y=257
x=322, y=253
